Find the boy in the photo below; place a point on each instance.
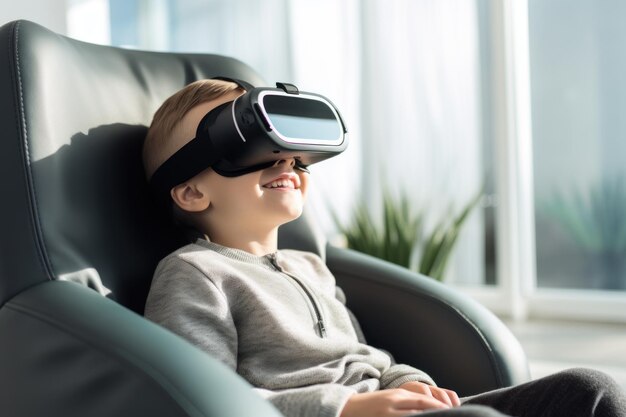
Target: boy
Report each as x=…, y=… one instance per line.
x=276, y=317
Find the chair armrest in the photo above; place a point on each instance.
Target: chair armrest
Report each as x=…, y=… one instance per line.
x=428, y=325
x=68, y=351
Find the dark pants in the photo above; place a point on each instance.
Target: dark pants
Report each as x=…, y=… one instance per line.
x=571, y=393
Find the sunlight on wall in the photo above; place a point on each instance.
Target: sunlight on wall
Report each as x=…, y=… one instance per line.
x=48, y=13
x=88, y=20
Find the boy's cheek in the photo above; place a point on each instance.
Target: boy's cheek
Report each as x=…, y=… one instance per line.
x=304, y=184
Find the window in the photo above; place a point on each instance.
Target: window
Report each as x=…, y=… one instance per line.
x=557, y=93
x=578, y=96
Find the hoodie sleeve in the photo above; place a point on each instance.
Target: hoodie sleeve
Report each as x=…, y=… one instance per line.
x=325, y=400
x=182, y=299
x=397, y=375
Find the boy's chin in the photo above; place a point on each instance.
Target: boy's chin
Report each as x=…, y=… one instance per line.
x=292, y=215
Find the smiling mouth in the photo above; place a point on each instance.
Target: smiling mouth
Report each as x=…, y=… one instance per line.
x=285, y=184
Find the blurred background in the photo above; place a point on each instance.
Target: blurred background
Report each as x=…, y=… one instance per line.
x=515, y=101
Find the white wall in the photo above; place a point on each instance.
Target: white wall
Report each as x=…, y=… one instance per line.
x=48, y=13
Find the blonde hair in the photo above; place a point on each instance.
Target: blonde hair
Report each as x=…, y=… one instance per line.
x=160, y=142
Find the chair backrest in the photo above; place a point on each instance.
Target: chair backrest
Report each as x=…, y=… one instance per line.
x=75, y=204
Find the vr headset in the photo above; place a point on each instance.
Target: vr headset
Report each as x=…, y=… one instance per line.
x=254, y=131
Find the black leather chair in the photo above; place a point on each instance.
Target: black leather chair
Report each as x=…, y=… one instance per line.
x=80, y=239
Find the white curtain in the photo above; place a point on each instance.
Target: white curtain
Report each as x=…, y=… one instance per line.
x=405, y=73
x=421, y=112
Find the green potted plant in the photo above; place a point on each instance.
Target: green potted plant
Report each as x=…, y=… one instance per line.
x=399, y=236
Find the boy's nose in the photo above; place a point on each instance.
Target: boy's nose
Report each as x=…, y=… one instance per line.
x=290, y=161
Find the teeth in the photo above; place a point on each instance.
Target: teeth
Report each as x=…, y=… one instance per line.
x=284, y=183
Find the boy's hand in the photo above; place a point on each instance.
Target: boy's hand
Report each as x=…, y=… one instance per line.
x=390, y=403
x=446, y=396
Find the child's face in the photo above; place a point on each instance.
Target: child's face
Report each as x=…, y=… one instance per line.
x=253, y=202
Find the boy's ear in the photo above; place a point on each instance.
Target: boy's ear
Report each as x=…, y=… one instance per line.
x=189, y=197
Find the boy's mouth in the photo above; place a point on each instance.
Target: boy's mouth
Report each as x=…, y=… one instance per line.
x=285, y=181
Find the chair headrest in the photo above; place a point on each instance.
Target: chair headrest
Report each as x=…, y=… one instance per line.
x=76, y=205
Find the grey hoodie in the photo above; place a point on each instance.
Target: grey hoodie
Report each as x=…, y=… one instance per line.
x=278, y=320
